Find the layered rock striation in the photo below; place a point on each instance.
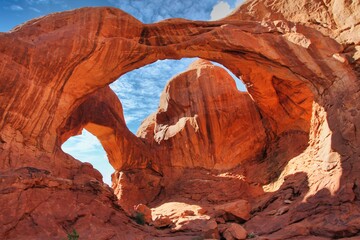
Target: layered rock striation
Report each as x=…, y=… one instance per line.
x=204, y=121
x=297, y=166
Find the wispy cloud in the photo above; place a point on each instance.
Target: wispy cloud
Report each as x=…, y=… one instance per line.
x=139, y=90
x=59, y=4
x=36, y=2
x=153, y=11
x=16, y=8
x=34, y=9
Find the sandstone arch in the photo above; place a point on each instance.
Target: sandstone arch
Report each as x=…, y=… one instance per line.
x=87, y=70
x=297, y=88
x=102, y=115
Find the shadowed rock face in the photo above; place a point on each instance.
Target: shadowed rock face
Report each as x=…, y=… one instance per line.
x=302, y=75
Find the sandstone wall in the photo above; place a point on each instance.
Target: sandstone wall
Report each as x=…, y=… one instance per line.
x=299, y=62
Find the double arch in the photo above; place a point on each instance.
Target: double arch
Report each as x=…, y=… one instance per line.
x=92, y=47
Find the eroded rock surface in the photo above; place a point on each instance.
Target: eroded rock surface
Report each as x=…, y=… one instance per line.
x=300, y=63
x=204, y=121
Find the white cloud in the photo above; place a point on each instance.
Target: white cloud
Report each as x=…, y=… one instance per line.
x=16, y=8
x=129, y=118
x=35, y=9
x=220, y=10
x=223, y=9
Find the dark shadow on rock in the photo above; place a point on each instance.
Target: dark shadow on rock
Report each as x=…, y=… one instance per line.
x=274, y=210
x=291, y=212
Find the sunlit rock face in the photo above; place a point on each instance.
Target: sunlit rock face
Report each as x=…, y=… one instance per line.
x=204, y=121
x=336, y=18
x=300, y=63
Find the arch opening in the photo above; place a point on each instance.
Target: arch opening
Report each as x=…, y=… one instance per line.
x=139, y=90
x=87, y=148
x=238, y=81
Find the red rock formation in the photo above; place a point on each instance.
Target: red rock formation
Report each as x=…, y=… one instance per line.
x=102, y=115
x=304, y=84
x=336, y=18
x=204, y=121
x=234, y=231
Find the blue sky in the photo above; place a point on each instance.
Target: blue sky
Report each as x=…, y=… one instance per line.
x=139, y=90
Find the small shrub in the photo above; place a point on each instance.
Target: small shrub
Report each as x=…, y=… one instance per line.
x=73, y=235
x=251, y=235
x=139, y=218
